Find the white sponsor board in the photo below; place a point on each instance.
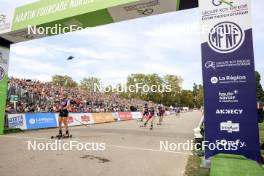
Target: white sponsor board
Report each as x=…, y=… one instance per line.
x=116, y=116
x=136, y=115
x=142, y=8
x=76, y=119
x=222, y=19
x=6, y=21
x=229, y=126
x=17, y=121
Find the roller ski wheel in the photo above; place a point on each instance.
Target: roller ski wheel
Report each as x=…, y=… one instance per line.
x=142, y=126
x=66, y=136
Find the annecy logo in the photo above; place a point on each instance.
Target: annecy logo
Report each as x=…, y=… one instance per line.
x=3, y=19
x=229, y=127
x=226, y=37
x=220, y=2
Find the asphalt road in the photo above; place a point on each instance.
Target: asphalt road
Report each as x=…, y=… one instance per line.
x=129, y=150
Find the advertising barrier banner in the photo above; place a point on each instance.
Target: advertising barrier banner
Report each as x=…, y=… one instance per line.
x=76, y=119
x=229, y=78
x=125, y=116
x=103, y=117
x=40, y=120
x=17, y=121
x=50, y=120
x=136, y=115
x=116, y=116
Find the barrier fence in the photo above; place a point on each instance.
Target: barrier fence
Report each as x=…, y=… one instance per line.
x=29, y=121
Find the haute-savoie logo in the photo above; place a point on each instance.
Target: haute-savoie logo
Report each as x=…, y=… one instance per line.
x=220, y=2
x=226, y=37
x=3, y=19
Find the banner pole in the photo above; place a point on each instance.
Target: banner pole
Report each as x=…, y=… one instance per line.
x=230, y=111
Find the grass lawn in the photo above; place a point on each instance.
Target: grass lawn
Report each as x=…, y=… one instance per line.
x=193, y=164
x=261, y=132
x=193, y=167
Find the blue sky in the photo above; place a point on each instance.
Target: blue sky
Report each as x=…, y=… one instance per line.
x=161, y=44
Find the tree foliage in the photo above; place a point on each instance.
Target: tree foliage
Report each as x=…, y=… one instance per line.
x=65, y=81
x=260, y=92
x=166, y=90
x=90, y=84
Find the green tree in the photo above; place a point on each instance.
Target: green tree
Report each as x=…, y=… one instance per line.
x=172, y=97
x=260, y=92
x=165, y=90
x=133, y=80
x=187, y=98
x=198, y=95
x=65, y=81
x=90, y=84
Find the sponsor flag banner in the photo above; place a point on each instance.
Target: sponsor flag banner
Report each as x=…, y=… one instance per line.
x=103, y=117
x=4, y=59
x=125, y=116
x=17, y=121
x=40, y=120
x=229, y=78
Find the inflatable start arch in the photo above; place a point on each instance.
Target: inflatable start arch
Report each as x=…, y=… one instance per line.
x=227, y=56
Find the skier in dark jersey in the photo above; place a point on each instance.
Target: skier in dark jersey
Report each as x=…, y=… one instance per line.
x=151, y=116
x=63, y=116
x=145, y=112
x=161, y=112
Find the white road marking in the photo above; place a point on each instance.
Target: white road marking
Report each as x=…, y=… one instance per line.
x=107, y=145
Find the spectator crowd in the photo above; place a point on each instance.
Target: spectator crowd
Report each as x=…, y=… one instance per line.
x=35, y=96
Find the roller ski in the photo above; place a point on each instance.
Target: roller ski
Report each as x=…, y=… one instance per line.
x=62, y=136
x=143, y=126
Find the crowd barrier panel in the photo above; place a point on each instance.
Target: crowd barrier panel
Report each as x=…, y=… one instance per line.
x=77, y=119
x=123, y=116
x=28, y=121
x=17, y=121
x=136, y=115
x=40, y=120
x=103, y=117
